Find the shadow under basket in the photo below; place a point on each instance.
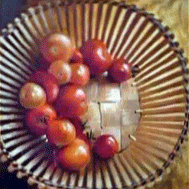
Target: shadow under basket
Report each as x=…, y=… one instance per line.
x=148, y=113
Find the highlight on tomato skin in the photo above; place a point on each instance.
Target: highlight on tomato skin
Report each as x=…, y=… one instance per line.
x=80, y=74
x=96, y=56
x=106, y=146
x=58, y=105
x=75, y=156
x=48, y=82
x=61, y=70
x=32, y=95
x=60, y=132
x=120, y=70
x=37, y=119
x=55, y=47
x=71, y=101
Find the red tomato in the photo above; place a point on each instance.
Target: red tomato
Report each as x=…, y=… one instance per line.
x=95, y=55
x=48, y=82
x=71, y=101
x=55, y=47
x=32, y=95
x=106, y=146
x=61, y=71
x=77, y=124
x=75, y=156
x=77, y=57
x=60, y=132
x=80, y=74
x=119, y=71
x=79, y=131
x=37, y=119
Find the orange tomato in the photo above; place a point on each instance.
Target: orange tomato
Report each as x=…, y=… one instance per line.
x=61, y=71
x=55, y=47
x=75, y=156
x=80, y=74
x=32, y=95
x=60, y=132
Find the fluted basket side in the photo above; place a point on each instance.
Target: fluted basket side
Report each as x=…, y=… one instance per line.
x=162, y=92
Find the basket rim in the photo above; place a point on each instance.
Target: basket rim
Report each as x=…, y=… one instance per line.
x=8, y=30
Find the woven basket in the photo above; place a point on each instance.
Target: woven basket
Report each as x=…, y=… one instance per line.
x=148, y=114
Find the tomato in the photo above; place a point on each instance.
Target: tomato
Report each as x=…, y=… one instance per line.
x=55, y=47
x=77, y=57
x=106, y=146
x=37, y=119
x=79, y=131
x=120, y=70
x=75, y=156
x=80, y=74
x=60, y=132
x=95, y=55
x=61, y=71
x=71, y=101
x=77, y=124
x=32, y=95
x=48, y=82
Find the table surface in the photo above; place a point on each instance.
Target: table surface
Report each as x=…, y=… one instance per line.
x=175, y=14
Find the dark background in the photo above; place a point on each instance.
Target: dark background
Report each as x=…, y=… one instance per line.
x=10, y=181
x=9, y=9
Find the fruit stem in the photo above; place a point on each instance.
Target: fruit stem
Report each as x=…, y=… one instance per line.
x=45, y=119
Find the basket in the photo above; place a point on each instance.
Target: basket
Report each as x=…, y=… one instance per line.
x=148, y=113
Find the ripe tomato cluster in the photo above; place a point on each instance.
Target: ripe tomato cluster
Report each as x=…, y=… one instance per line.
x=55, y=99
